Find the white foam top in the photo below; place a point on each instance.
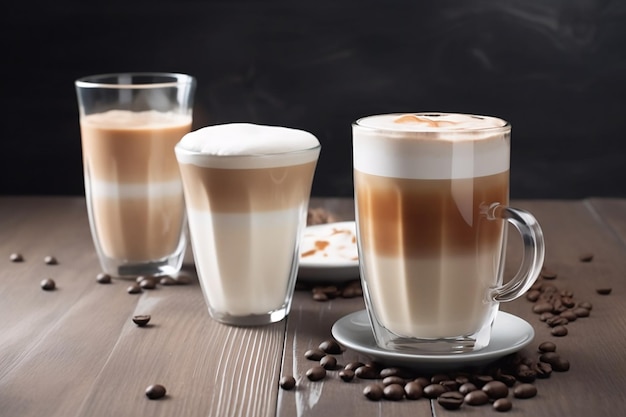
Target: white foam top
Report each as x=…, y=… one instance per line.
x=431, y=145
x=246, y=145
x=136, y=120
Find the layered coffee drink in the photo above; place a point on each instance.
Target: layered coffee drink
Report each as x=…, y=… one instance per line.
x=247, y=189
x=134, y=193
x=429, y=254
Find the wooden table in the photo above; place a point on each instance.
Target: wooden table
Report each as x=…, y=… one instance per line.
x=75, y=351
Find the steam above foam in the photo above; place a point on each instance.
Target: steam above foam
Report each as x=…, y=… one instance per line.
x=239, y=145
x=431, y=145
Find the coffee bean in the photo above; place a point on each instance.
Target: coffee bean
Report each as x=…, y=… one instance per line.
x=352, y=366
x=167, y=281
x=525, y=391
x=569, y=315
x=543, y=370
x=314, y=354
x=141, y=320
x=330, y=346
x=413, y=390
x=526, y=374
x=16, y=257
x=548, y=274
x=48, y=284
x=557, y=321
x=134, y=289
x=549, y=357
x=393, y=380
x=540, y=308
x=287, y=382
x=103, y=278
x=450, y=384
x=462, y=379
x=559, y=331
x=434, y=390
x=604, y=290
x=496, y=389
x=502, y=404
x=467, y=388
x=546, y=316
x=508, y=380
x=437, y=378
x=547, y=347
x=148, y=283
x=586, y=305
x=367, y=372
x=533, y=295
x=346, y=375
x=182, y=278
x=316, y=373
x=481, y=380
x=328, y=362
x=476, y=397
x=423, y=381
x=373, y=392
x=585, y=257
x=450, y=400
x=50, y=260
x=395, y=371
x=320, y=296
x=156, y=391
x=393, y=392
x=568, y=301
x=581, y=312
x=560, y=365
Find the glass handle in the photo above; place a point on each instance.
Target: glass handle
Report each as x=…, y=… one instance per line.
x=532, y=255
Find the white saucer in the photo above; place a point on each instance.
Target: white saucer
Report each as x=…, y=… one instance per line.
x=509, y=334
x=336, y=262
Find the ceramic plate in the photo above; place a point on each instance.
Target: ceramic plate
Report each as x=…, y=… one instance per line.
x=328, y=252
x=509, y=334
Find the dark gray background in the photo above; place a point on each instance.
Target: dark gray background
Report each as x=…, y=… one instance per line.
x=556, y=69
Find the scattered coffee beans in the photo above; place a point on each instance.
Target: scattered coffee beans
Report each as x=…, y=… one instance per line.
x=48, y=284
x=316, y=373
x=287, y=382
x=50, y=260
x=373, y=392
x=502, y=404
x=585, y=257
x=328, y=362
x=367, y=372
x=559, y=331
x=314, y=354
x=476, y=397
x=148, y=283
x=156, y=391
x=434, y=390
x=103, y=278
x=134, y=289
x=393, y=392
x=604, y=291
x=141, y=320
x=525, y=391
x=167, y=280
x=450, y=400
x=496, y=389
x=16, y=257
x=331, y=347
x=346, y=375
x=413, y=390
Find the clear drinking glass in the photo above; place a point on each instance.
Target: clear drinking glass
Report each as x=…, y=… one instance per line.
x=129, y=125
x=432, y=195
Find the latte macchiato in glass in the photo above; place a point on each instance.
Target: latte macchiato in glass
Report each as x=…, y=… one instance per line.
x=130, y=124
x=247, y=190
x=432, y=195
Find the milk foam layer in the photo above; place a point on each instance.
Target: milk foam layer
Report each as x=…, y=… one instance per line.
x=238, y=145
x=461, y=146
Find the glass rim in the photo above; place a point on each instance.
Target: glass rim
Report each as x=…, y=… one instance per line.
x=186, y=151
x=506, y=126
x=105, y=80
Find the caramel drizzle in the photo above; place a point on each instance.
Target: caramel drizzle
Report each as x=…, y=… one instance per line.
x=412, y=118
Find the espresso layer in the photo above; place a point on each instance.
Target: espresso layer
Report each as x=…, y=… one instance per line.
x=246, y=190
x=428, y=218
x=140, y=151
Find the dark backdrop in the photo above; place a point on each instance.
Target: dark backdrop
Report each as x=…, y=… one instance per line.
x=556, y=69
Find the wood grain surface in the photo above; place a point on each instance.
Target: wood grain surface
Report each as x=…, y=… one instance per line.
x=76, y=352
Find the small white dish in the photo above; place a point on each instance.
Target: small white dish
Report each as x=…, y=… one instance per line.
x=509, y=334
x=328, y=252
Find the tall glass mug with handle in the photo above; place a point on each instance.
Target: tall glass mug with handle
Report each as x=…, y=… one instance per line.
x=129, y=125
x=432, y=195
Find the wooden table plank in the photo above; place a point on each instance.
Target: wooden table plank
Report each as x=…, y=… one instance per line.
x=612, y=211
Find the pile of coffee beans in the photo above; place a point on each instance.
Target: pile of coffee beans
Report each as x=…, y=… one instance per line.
x=348, y=289
x=500, y=384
